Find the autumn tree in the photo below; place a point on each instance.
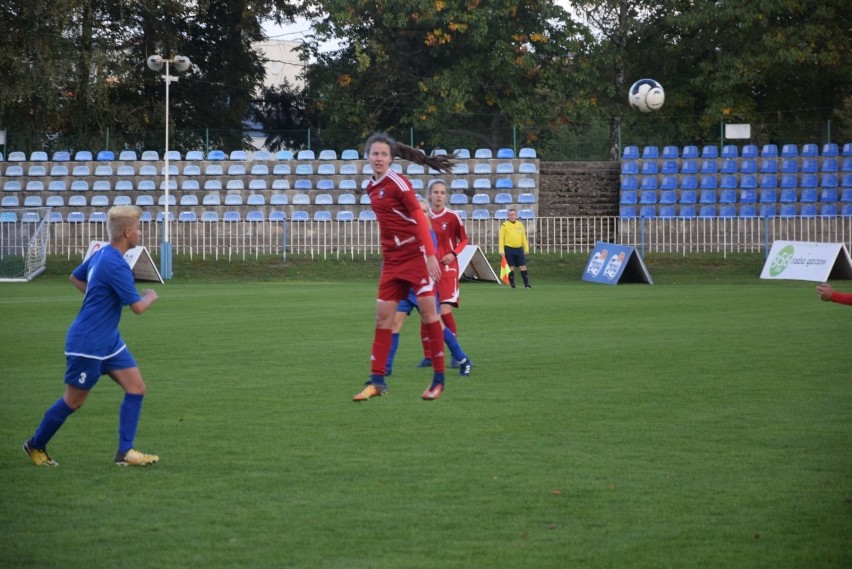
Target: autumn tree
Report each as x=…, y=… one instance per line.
x=456, y=72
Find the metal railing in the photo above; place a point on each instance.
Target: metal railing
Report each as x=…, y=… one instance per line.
x=554, y=235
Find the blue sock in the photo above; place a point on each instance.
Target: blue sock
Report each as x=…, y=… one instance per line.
x=377, y=379
x=128, y=420
x=53, y=418
x=453, y=345
x=438, y=377
x=392, y=353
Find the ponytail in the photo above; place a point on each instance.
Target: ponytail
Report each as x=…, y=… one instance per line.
x=441, y=163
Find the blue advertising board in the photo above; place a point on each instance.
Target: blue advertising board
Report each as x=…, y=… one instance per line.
x=610, y=264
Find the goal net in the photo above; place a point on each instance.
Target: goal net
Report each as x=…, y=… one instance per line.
x=23, y=243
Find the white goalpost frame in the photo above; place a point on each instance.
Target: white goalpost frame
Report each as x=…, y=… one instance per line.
x=23, y=246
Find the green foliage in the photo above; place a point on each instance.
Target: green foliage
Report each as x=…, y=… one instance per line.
x=700, y=421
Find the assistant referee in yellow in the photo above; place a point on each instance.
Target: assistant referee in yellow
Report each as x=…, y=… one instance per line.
x=514, y=246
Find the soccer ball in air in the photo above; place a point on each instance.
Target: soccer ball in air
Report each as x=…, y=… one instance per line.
x=646, y=95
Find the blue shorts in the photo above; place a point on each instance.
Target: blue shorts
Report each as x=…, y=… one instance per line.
x=84, y=373
x=410, y=304
x=515, y=256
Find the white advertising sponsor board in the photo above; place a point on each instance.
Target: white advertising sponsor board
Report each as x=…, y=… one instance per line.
x=806, y=261
x=139, y=260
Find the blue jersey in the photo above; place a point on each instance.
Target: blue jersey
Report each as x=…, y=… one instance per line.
x=110, y=286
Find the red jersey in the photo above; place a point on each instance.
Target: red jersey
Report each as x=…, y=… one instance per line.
x=842, y=297
x=403, y=229
x=449, y=230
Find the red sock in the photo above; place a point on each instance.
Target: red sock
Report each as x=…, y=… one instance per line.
x=424, y=339
x=450, y=322
x=436, y=343
x=381, y=348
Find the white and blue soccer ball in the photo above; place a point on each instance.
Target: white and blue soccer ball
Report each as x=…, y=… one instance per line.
x=646, y=95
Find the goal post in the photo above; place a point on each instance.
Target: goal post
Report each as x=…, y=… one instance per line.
x=24, y=235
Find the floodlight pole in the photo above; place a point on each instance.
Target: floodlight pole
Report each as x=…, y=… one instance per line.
x=155, y=62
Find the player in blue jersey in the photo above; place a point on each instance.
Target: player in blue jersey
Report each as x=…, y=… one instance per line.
x=404, y=310
x=93, y=345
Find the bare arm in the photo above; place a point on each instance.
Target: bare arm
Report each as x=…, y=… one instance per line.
x=148, y=298
x=80, y=285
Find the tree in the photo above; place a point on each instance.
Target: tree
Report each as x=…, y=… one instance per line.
x=455, y=72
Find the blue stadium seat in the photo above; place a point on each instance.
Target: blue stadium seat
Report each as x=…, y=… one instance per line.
x=768, y=165
x=322, y=215
x=768, y=181
x=748, y=196
x=367, y=215
x=809, y=195
x=60, y=156
x=483, y=154
x=231, y=216
x=768, y=195
x=647, y=211
x=688, y=197
x=649, y=167
x=209, y=217
x=669, y=183
x=187, y=217
x=690, y=152
x=707, y=211
x=216, y=155
x=689, y=166
x=279, y=199
x=254, y=215
x=629, y=197
x=628, y=183
x=344, y=215
x=828, y=210
x=650, y=152
x=847, y=149
x=687, y=212
x=767, y=210
x=648, y=183
x=505, y=154
x=789, y=151
x=829, y=165
x=261, y=155
x=628, y=211
x=503, y=198
x=828, y=195
x=748, y=166
x=846, y=165
x=846, y=210
x=707, y=182
x=671, y=152
x=788, y=210
x=350, y=154
x=327, y=154
x=728, y=196
x=748, y=210
x=669, y=167
x=808, y=210
x=748, y=181
x=828, y=180
x=729, y=166
x=709, y=166
x=277, y=215
x=709, y=152
x=667, y=197
x=526, y=152
x=730, y=151
x=728, y=211
x=83, y=156
x=629, y=168
x=749, y=151
x=648, y=197
x=769, y=151
x=480, y=214
x=195, y=156
x=707, y=197
x=810, y=150
x=809, y=166
x=829, y=149
x=846, y=195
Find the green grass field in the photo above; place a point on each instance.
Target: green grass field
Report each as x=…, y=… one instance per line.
x=705, y=421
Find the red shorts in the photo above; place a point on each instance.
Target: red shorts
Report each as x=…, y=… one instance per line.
x=400, y=277
x=448, y=286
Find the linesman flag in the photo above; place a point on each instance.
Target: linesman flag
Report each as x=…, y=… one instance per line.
x=504, y=270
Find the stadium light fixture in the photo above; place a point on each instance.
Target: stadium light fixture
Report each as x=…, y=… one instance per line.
x=181, y=64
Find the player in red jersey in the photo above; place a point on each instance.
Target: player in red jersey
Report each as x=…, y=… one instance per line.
x=408, y=259
x=452, y=239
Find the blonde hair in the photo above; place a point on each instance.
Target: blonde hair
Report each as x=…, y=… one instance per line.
x=121, y=217
x=441, y=163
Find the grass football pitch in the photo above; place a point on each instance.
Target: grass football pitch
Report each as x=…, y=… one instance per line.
x=704, y=421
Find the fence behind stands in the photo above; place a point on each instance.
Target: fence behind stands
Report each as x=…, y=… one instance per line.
x=558, y=235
